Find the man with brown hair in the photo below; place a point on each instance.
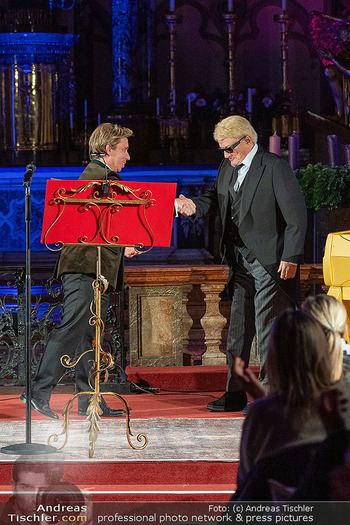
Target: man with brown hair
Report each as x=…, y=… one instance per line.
x=108, y=148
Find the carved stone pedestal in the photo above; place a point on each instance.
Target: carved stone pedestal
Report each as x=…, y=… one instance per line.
x=213, y=323
x=212, y=280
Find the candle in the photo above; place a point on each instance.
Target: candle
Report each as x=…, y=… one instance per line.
x=284, y=5
x=275, y=144
x=157, y=107
x=85, y=108
x=333, y=153
x=71, y=120
x=250, y=100
x=293, y=151
x=173, y=96
x=347, y=155
x=98, y=119
x=230, y=6
x=189, y=104
x=172, y=5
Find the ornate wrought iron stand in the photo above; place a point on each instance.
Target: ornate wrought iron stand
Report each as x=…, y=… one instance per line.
x=85, y=198
x=102, y=358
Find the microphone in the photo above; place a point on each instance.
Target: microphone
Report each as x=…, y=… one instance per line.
x=93, y=155
x=27, y=179
x=106, y=188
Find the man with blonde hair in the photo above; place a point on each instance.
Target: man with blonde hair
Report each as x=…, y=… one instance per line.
x=263, y=227
x=109, y=152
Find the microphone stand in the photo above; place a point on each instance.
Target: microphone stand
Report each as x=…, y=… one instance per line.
x=28, y=448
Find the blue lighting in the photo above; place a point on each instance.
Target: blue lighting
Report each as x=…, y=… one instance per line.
x=45, y=47
x=62, y=4
x=12, y=223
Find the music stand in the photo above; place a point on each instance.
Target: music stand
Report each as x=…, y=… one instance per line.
x=28, y=448
x=83, y=213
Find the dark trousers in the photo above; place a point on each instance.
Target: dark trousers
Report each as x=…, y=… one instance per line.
x=257, y=301
x=72, y=337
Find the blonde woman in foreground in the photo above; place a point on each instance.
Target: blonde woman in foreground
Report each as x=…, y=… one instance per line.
x=332, y=316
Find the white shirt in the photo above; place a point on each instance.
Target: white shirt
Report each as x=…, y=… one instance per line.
x=244, y=169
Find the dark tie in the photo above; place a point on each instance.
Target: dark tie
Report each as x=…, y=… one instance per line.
x=235, y=176
x=236, y=196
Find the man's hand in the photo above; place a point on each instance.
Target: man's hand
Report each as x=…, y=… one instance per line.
x=287, y=270
x=130, y=251
x=185, y=206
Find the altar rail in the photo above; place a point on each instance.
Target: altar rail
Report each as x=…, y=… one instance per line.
x=171, y=316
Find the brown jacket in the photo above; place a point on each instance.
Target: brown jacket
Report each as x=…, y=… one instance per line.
x=82, y=259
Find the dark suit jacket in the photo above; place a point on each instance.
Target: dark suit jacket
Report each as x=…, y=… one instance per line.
x=273, y=219
x=82, y=259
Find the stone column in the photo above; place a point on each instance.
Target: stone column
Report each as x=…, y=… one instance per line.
x=122, y=38
x=212, y=281
x=133, y=41
x=213, y=323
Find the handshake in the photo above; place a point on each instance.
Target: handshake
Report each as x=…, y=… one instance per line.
x=185, y=206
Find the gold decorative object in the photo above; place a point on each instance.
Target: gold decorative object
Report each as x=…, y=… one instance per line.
x=284, y=20
x=103, y=206
x=103, y=361
x=230, y=20
x=173, y=128
x=285, y=124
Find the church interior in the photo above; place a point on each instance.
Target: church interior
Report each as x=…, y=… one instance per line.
x=169, y=70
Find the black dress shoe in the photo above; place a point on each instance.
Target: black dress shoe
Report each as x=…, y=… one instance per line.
x=229, y=402
x=41, y=406
x=106, y=410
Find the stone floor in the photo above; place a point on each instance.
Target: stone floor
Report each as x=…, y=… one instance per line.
x=168, y=439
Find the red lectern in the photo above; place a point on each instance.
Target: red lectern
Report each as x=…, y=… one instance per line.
x=118, y=213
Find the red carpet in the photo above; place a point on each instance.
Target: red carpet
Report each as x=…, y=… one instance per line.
x=182, y=379
x=142, y=406
x=151, y=480
x=206, y=383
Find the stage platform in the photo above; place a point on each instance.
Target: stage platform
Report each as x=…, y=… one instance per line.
x=192, y=453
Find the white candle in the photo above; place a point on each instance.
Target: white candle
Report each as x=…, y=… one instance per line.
x=275, y=144
x=189, y=104
x=98, y=119
x=174, y=97
x=250, y=100
x=157, y=107
x=284, y=5
x=230, y=6
x=85, y=108
x=71, y=120
x=172, y=5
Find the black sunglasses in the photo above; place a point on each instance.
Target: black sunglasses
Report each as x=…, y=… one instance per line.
x=230, y=149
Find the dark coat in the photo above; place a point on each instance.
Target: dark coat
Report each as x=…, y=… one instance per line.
x=273, y=218
x=82, y=259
